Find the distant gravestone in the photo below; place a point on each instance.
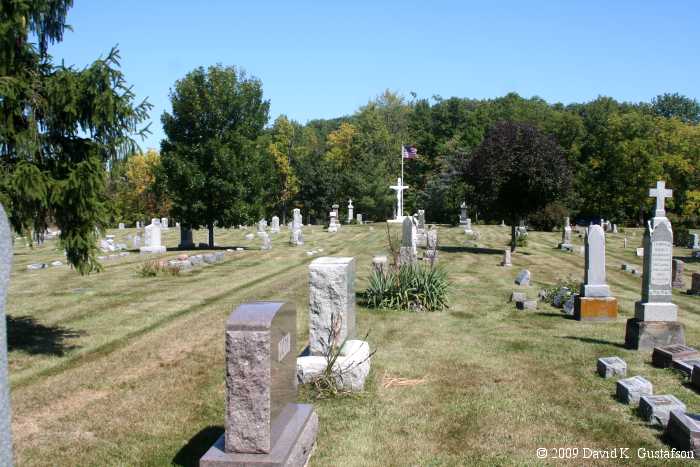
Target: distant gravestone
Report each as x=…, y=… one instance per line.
x=331, y=302
x=359, y=218
x=611, y=366
x=431, y=243
x=275, y=226
x=695, y=284
x=566, y=236
x=152, y=239
x=296, y=237
x=262, y=225
x=694, y=241
x=523, y=278
x=350, y=211
x=595, y=302
x=333, y=225
x=421, y=239
x=677, y=277
x=407, y=250
x=463, y=214
x=5, y=412
x=655, y=315
x=506, y=258
x=263, y=424
x=121, y=226
x=186, y=238
x=266, y=243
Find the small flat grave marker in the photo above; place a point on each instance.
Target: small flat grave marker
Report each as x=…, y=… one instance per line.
x=663, y=357
x=611, y=366
x=629, y=390
x=683, y=430
x=657, y=409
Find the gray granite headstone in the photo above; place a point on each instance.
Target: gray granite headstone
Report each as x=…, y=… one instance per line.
x=594, y=284
x=656, y=304
x=657, y=409
x=5, y=267
x=608, y=367
x=629, y=390
x=407, y=252
x=677, y=277
x=263, y=424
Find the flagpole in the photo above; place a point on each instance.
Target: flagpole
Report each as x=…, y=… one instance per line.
x=402, y=184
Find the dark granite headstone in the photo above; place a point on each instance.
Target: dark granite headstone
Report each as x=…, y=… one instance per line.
x=663, y=357
x=264, y=425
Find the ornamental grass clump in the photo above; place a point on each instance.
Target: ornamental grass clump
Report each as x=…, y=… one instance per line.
x=413, y=287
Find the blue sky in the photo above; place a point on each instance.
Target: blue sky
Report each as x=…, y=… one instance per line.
x=325, y=59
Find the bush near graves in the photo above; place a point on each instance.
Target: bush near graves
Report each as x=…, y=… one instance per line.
x=155, y=267
x=564, y=289
x=412, y=287
x=549, y=217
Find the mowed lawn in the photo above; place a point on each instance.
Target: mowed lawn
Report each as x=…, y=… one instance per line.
x=117, y=369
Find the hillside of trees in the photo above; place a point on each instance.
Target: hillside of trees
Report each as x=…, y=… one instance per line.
x=617, y=150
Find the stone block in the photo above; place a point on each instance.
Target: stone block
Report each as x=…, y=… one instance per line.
x=350, y=369
x=664, y=356
x=595, y=308
x=526, y=305
x=657, y=409
x=686, y=364
x=331, y=301
x=695, y=284
x=645, y=335
x=683, y=431
x=611, y=366
x=655, y=311
x=629, y=390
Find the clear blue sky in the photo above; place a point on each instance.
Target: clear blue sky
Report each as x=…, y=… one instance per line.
x=325, y=59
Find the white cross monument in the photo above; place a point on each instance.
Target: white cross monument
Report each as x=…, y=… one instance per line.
x=399, y=188
x=660, y=193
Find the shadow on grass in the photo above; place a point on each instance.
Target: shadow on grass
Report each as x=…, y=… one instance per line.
x=470, y=249
x=203, y=248
x=197, y=446
x=590, y=340
x=688, y=259
x=553, y=315
x=26, y=334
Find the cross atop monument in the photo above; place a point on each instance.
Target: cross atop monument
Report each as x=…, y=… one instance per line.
x=399, y=188
x=660, y=193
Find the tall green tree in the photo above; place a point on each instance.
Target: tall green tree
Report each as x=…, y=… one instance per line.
x=516, y=171
x=675, y=105
x=213, y=167
x=59, y=129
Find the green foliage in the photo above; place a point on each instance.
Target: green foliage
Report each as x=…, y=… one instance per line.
x=521, y=239
x=410, y=287
x=564, y=289
x=549, y=217
x=59, y=128
x=674, y=105
x=213, y=164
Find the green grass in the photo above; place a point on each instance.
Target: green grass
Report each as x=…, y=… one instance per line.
x=119, y=369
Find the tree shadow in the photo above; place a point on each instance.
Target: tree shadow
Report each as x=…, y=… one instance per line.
x=202, y=248
x=197, y=446
x=590, y=340
x=553, y=315
x=470, y=249
x=26, y=334
x=688, y=259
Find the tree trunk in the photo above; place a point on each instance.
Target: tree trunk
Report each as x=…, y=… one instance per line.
x=512, y=236
x=211, y=235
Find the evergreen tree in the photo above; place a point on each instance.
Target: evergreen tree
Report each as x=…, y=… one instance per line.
x=59, y=129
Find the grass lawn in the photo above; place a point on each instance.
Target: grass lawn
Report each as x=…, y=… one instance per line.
x=117, y=369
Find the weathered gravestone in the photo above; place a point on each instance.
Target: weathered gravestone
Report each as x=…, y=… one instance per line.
x=421, y=239
x=359, y=218
x=608, y=367
x=334, y=224
x=695, y=284
x=331, y=302
x=657, y=409
x=431, y=243
x=629, y=390
x=655, y=316
x=407, y=251
x=683, y=431
x=262, y=225
x=152, y=238
x=121, y=226
x=5, y=267
x=186, y=238
x=506, y=258
x=677, y=276
x=350, y=211
x=665, y=356
x=275, y=226
x=296, y=236
x=164, y=223
x=263, y=424
x=595, y=302
x=694, y=243
x=265, y=238
x=566, y=237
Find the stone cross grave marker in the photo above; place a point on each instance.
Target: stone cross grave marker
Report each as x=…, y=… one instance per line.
x=660, y=193
x=263, y=424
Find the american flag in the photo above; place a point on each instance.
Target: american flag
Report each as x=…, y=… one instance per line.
x=409, y=152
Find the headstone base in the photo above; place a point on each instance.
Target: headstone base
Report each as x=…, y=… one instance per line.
x=595, y=308
x=297, y=427
x=645, y=335
x=655, y=311
x=146, y=250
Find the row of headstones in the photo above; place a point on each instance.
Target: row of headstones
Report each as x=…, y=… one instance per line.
x=263, y=423
x=682, y=428
x=163, y=221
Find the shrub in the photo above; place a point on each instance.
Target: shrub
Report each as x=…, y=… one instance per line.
x=416, y=287
x=564, y=289
x=521, y=240
x=681, y=236
x=155, y=267
x=549, y=217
